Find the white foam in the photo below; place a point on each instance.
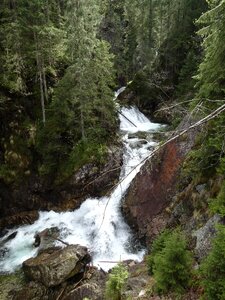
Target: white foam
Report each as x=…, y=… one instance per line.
x=135, y=121
x=98, y=223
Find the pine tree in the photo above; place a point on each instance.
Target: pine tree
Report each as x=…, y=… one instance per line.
x=211, y=71
x=210, y=86
x=82, y=114
x=213, y=269
x=172, y=265
x=116, y=282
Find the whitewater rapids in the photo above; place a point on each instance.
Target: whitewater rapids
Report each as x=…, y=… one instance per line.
x=98, y=223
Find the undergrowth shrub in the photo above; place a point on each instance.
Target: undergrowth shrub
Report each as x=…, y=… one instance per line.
x=213, y=268
x=171, y=263
x=218, y=205
x=116, y=282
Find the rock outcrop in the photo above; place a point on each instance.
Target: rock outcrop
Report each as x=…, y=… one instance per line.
x=51, y=267
x=61, y=274
x=56, y=272
x=153, y=188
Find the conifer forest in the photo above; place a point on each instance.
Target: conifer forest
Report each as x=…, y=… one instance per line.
x=112, y=149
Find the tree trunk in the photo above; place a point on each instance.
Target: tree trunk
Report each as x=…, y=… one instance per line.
x=45, y=85
x=82, y=124
x=42, y=97
x=40, y=71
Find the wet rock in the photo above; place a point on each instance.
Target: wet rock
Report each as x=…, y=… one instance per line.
x=3, y=247
x=46, y=239
x=139, y=135
x=138, y=143
x=54, y=267
x=8, y=238
x=23, y=218
x=3, y=252
x=3, y=232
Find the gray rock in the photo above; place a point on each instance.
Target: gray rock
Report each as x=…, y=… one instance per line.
x=200, y=188
x=87, y=290
x=54, y=267
x=8, y=238
x=32, y=291
x=204, y=237
x=46, y=239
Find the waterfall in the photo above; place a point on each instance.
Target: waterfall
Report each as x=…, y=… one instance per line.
x=98, y=223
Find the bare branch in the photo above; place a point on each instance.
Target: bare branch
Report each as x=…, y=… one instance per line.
x=204, y=120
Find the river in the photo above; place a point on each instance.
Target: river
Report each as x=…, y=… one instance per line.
x=98, y=223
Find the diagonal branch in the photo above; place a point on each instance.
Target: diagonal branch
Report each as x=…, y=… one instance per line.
x=204, y=120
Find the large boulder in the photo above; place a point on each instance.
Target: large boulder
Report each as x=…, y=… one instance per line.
x=89, y=285
x=92, y=287
x=51, y=267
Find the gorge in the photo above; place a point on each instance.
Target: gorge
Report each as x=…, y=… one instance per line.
x=87, y=182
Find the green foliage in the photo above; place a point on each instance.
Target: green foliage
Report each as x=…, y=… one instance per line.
x=51, y=55
x=116, y=282
x=83, y=153
x=218, y=205
x=157, y=246
x=209, y=156
x=213, y=268
x=211, y=70
x=171, y=263
x=82, y=115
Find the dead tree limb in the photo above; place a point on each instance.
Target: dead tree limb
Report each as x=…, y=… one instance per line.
x=204, y=120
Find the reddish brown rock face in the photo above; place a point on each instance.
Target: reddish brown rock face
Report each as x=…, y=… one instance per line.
x=153, y=188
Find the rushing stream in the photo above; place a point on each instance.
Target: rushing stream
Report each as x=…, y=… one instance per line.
x=98, y=223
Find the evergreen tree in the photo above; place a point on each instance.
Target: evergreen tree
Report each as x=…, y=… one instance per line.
x=116, y=282
x=172, y=264
x=211, y=71
x=32, y=43
x=213, y=269
x=210, y=88
x=82, y=114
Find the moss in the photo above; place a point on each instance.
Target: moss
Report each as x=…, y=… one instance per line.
x=82, y=154
x=10, y=282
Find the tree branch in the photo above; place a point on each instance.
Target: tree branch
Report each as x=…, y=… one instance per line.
x=204, y=120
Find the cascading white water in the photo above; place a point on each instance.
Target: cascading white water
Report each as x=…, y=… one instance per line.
x=98, y=223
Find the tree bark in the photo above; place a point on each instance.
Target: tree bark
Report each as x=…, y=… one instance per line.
x=42, y=97
x=41, y=81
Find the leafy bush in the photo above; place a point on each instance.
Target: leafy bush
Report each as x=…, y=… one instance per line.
x=172, y=262
x=116, y=282
x=213, y=268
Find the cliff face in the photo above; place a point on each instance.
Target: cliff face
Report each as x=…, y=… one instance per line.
x=145, y=204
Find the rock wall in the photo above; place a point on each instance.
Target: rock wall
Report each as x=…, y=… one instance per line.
x=145, y=204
